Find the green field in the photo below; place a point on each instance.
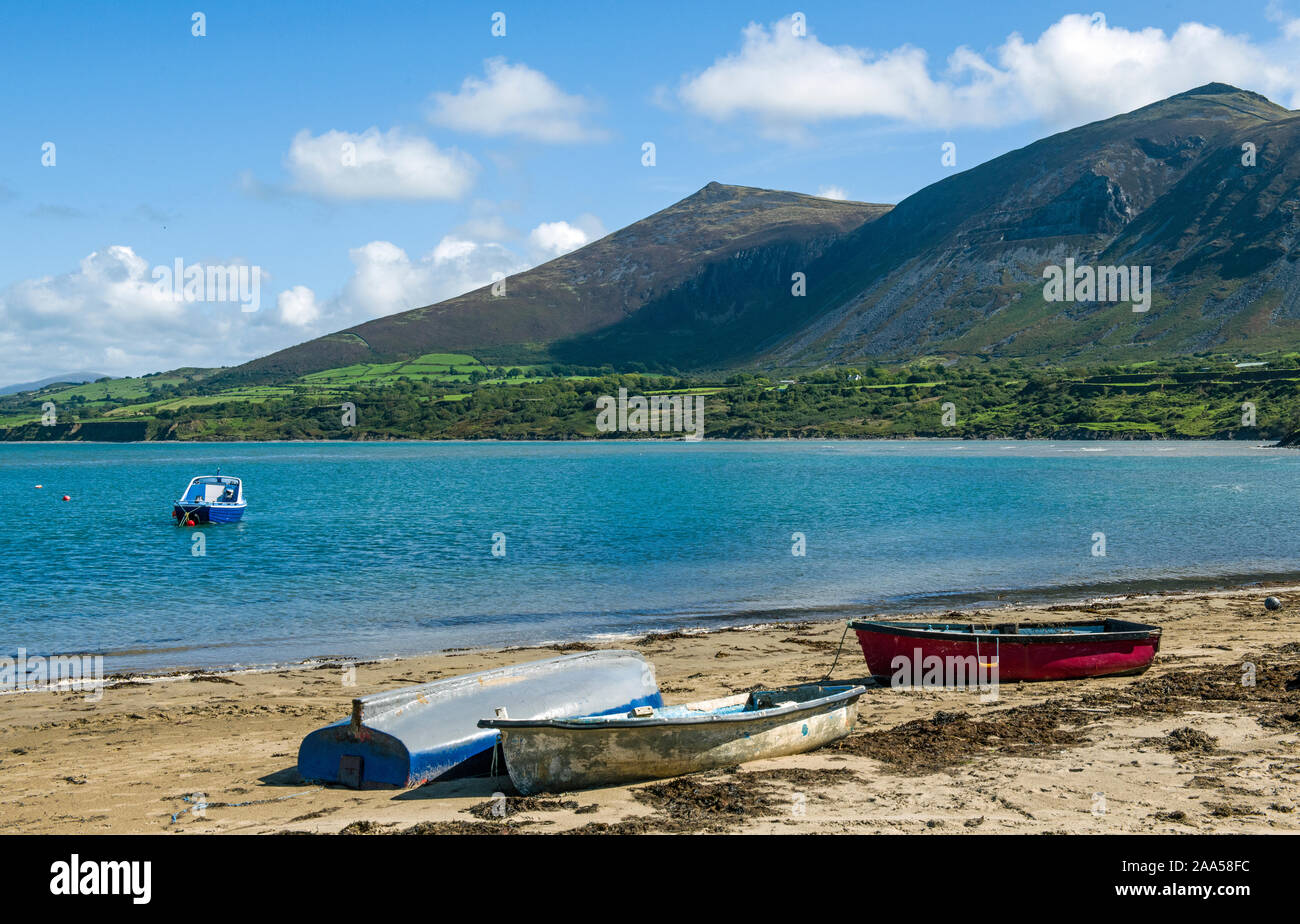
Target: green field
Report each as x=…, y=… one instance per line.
x=434, y=367
x=454, y=396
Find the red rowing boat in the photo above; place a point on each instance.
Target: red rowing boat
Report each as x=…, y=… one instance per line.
x=1040, y=651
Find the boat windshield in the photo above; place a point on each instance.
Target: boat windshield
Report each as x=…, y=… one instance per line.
x=212, y=489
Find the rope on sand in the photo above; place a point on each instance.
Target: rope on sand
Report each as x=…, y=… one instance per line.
x=839, y=648
x=207, y=805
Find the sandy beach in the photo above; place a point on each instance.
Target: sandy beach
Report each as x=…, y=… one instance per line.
x=1187, y=747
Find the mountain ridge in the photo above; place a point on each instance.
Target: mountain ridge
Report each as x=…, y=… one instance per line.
x=71, y=378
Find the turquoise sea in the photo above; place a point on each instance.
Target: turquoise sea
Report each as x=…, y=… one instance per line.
x=363, y=550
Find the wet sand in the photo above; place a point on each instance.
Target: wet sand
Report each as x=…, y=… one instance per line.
x=1187, y=747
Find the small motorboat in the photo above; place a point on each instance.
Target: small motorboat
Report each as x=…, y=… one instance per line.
x=582, y=752
x=416, y=734
x=210, y=499
x=1009, y=651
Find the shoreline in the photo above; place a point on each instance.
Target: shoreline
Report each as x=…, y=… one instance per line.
x=1030, y=762
x=1032, y=598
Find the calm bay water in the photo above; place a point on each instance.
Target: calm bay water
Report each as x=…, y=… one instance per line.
x=361, y=550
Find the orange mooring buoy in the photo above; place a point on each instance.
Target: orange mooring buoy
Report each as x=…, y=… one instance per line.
x=66, y=497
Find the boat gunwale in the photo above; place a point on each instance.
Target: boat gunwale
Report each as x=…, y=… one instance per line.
x=847, y=695
x=1131, y=632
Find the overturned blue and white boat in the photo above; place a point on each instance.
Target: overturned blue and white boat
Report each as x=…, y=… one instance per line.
x=585, y=752
x=210, y=499
x=416, y=734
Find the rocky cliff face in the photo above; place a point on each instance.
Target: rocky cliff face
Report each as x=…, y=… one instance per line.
x=1092, y=204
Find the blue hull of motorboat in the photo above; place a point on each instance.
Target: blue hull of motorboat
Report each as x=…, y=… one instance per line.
x=410, y=736
x=225, y=514
x=203, y=513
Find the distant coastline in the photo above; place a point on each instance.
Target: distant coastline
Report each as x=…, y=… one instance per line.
x=1190, y=398
x=1265, y=442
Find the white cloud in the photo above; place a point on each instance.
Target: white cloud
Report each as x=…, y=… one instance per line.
x=1289, y=25
x=108, y=314
x=514, y=99
x=387, y=280
x=298, y=306
x=1080, y=68
x=556, y=238
x=832, y=192
x=552, y=239
x=111, y=289
x=378, y=165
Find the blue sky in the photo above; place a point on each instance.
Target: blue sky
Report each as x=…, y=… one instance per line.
x=477, y=153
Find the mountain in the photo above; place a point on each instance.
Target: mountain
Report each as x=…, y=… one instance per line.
x=595, y=287
x=70, y=378
x=957, y=269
